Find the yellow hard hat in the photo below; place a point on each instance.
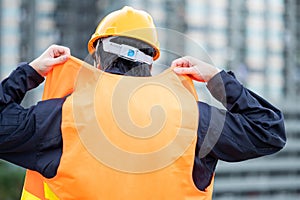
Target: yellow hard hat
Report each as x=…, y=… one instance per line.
x=127, y=22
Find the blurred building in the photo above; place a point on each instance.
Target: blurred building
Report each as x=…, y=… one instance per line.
x=75, y=22
x=10, y=35
x=246, y=36
x=292, y=50
x=255, y=38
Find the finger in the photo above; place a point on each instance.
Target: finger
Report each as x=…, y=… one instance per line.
x=64, y=50
x=57, y=50
x=58, y=60
x=184, y=70
x=176, y=62
x=186, y=63
x=56, y=53
x=180, y=62
x=61, y=51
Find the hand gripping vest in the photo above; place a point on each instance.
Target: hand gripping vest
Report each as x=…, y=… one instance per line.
x=123, y=137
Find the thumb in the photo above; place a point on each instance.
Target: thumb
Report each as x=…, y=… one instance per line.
x=183, y=70
x=58, y=60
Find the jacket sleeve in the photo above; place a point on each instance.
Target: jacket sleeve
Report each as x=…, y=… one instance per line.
x=250, y=126
x=31, y=137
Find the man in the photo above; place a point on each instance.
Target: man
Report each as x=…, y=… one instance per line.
x=45, y=138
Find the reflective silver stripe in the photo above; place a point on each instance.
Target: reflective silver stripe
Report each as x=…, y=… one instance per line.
x=126, y=51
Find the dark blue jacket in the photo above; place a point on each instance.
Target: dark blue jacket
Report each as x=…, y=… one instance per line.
x=249, y=128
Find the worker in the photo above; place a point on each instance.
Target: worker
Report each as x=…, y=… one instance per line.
x=53, y=140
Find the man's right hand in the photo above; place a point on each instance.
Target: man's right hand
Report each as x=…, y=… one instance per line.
x=54, y=55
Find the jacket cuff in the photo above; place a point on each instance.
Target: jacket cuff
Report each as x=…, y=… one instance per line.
x=32, y=75
x=225, y=88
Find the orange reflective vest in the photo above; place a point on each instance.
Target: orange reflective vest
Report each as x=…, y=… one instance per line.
x=123, y=137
